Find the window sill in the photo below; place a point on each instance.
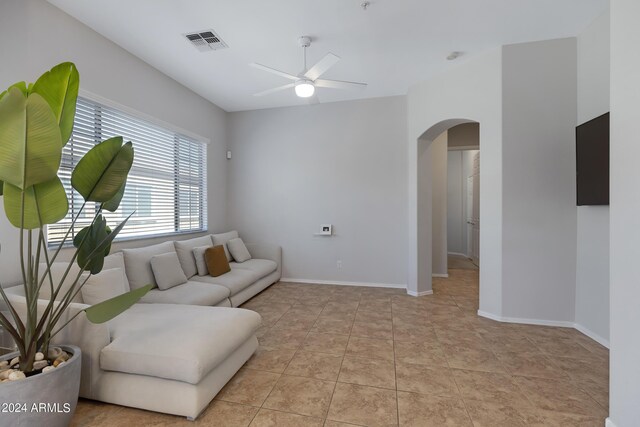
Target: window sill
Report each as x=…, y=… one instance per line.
x=54, y=246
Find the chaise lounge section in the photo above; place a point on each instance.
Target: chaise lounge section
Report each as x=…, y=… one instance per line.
x=170, y=358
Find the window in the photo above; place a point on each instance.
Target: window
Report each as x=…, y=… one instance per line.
x=167, y=187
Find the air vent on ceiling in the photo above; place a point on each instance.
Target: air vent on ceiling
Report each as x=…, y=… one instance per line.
x=206, y=40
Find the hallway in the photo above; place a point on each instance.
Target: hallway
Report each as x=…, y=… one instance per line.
x=460, y=262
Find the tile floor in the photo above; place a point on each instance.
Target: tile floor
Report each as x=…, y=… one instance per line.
x=340, y=356
x=460, y=262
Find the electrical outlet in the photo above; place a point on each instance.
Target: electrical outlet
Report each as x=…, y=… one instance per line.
x=339, y=264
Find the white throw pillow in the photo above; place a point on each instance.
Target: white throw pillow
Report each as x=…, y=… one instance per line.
x=222, y=239
x=238, y=250
x=138, y=263
x=167, y=270
x=185, y=248
x=103, y=286
x=201, y=263
x=116, y=260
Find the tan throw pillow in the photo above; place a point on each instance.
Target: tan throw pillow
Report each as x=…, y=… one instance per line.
x=216, y=261
x=238, y=250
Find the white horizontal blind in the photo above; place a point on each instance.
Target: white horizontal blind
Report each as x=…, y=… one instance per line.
x=167, y=186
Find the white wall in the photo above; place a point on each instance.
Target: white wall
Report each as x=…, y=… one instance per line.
x=624, y=222
x=36, y=36
x=455, y=203
x=340, y=163
x=538, y=161
x=424, y=189
x=592, y=270
x=524, y=97
x=15, y=57
x=470, y=92
x=439, y=204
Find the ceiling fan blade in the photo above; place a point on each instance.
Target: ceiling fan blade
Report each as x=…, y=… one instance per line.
x=312, y=100
x=274, y=90
x=322, y=66
x=338, y=84
x=274, y=71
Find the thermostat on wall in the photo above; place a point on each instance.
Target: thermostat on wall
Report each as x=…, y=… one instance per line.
x=326, y=229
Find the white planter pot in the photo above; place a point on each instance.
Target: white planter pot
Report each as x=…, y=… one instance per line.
x=44, y=399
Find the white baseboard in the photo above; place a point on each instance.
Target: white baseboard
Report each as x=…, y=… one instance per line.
x=557, y=323
x=419, y=294
x=597, y=338
x=458, y=254
x=342, y=283
x=540, y=322
x=609, y=423
x=440, y=275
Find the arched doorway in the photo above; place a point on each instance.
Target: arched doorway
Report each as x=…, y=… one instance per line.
x=422, y=209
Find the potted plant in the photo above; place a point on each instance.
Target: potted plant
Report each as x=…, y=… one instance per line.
x=36, y=121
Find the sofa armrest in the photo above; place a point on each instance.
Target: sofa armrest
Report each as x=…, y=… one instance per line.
x=266, y=251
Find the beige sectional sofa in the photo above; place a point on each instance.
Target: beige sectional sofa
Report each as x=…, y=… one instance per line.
x=177, y=348
x=229, y=290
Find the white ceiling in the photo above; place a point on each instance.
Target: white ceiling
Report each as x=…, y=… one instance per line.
x=390, y=46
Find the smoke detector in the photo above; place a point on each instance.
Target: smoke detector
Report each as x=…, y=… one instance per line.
x=206, y=40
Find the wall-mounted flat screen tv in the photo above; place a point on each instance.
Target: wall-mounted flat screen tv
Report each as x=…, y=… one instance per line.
x=592, y=161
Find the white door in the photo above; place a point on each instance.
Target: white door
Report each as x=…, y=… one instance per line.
x=469, y=217
x=475, y=211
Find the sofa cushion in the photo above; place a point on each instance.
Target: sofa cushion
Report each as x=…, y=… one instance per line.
x=116, y=260
x=201, y=262
x=167, y=271
x=185, y=248
x=57, y=271
x=262, y=267
x=176, y=342
x=216, y=261
x=222, y=239
x=238, y=250
x=138, y=263
x=193, y=293
x=235, y=280
x=103, y=286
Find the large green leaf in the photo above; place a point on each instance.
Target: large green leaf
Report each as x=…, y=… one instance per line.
x=113, y=204
x=94, y=242
x=102, y=172
x=88, y=240
x=30, y=148
x=20, y=85
x=107, y=310
x=59, y=87
x=44, y=203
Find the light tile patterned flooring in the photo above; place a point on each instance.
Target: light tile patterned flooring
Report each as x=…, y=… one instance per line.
x=341, y=356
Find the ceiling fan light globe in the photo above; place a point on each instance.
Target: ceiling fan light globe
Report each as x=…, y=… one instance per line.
x=305, y=89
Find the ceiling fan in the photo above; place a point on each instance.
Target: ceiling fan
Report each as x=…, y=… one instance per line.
x=308, y=80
